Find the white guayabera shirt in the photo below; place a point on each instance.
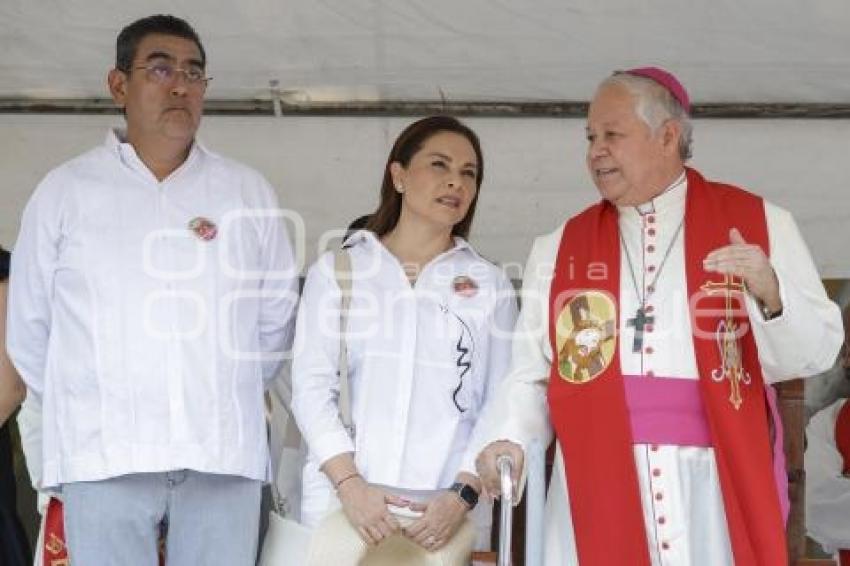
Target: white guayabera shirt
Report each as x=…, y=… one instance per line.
x=423, y=361
x=147, y=316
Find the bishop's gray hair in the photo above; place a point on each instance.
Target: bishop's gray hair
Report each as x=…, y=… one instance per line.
x=655, y=105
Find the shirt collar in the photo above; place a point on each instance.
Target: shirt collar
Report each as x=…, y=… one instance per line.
x=117, y=144
x=670, y=199
x=369, y=238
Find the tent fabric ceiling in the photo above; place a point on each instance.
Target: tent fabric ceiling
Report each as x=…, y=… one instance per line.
x=487, y=50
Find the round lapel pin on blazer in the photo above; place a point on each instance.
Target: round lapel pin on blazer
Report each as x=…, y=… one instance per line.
x=204, y=228
x=464, y=286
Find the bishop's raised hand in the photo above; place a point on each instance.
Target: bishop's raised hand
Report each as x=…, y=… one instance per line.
x=749, y=262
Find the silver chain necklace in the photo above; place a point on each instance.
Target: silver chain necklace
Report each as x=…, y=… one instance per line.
x=641, y=320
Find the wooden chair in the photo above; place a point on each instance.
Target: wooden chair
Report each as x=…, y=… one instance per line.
x=790, y=395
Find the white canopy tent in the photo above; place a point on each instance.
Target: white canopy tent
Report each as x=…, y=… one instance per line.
x=724, y=51
x=343, y=52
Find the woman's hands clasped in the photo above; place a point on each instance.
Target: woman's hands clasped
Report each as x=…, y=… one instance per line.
x=441, y=519
x=365, y=506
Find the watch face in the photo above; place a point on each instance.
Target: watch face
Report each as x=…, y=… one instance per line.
x=465, y=491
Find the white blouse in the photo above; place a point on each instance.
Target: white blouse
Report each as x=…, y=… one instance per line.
x=423, y=361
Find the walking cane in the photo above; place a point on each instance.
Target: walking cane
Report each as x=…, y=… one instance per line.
x=504, y=464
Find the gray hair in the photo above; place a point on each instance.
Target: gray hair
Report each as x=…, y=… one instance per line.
x=655, y=105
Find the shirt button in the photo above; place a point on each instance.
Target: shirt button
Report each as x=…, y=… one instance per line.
x=656, y=472
x=651, y=231
x=653, y=447
x=650, y=248
x=650, y=373
x=665, y=545
x=651, y=268
x=659, y=496
x=650, y=289
x=649, y=349
x=648, y=328
x=661, y=520
x=649, y=308
x=650, y=219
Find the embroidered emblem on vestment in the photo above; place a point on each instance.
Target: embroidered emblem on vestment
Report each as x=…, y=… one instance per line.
x=727, y=336
x=585, y=331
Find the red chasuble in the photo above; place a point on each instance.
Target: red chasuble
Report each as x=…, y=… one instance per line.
x=842, y=442
x=586, y=391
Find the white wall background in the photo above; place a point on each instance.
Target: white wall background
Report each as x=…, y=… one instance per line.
x=329, y=170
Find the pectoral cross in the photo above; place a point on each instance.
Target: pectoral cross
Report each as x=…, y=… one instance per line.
x=727, y=339
x=639, y=322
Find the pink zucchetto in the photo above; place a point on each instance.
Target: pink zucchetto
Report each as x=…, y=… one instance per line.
x=667, y=80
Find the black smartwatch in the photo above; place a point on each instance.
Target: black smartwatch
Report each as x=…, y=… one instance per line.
x=466, y=492
x=769, y=314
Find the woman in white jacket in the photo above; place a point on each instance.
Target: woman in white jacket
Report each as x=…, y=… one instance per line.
x=428, y=339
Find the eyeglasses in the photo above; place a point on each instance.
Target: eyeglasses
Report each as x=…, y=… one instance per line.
x=165, y=73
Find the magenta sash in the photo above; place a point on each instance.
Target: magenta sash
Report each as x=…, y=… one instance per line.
x=666, y=410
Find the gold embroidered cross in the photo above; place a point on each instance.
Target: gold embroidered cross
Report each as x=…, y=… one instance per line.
x=727, y=340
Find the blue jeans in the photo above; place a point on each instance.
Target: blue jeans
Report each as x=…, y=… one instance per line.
x=210, y=519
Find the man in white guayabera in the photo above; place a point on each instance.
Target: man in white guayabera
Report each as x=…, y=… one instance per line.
x=152, y=299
